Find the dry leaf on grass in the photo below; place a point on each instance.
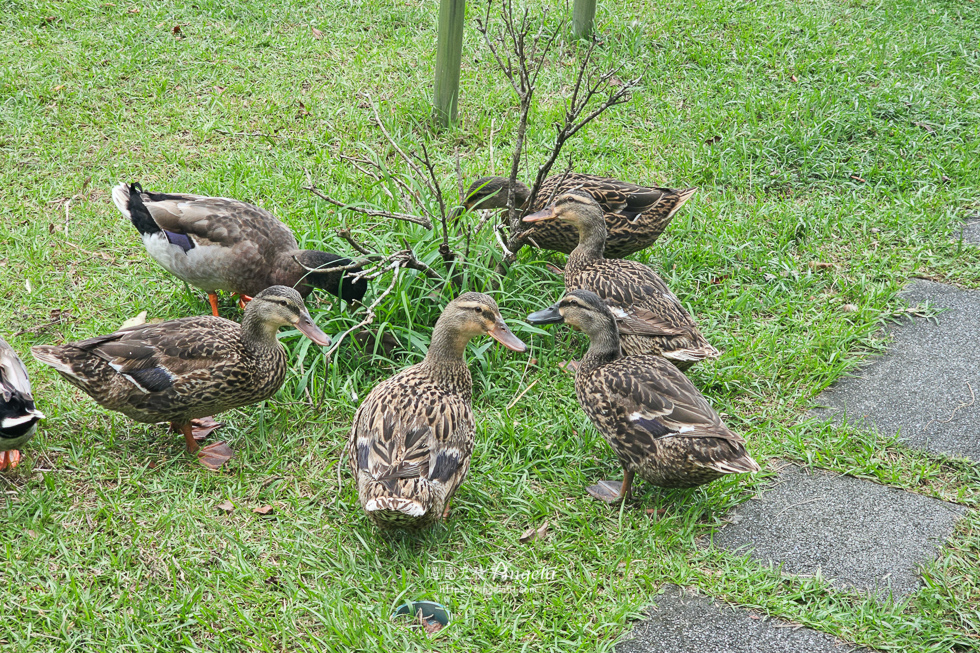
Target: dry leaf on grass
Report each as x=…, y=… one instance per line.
x=533, y=533
x=820, y=265
x=317, y=34
x=263, y=510
x=134, y=321
x=226, y=506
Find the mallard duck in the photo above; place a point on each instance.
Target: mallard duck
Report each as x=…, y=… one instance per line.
x=651, y=319
x=217, y=243
x=658, y=424
x=180, y=370
x=412, y=437
x=18, y=415
x=635, y=215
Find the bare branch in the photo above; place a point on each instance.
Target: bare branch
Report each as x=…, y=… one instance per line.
x=405, y=157
x=370, y=312
x=382, y=175
x=425, y=222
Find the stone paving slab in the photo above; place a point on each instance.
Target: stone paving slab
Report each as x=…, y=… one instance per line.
x=922, y=387
x=683, y=622
x=856, y=533
x=971, y=232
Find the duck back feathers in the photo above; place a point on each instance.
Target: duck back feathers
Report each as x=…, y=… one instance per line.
x=173, y=371
x=218, y=243
x=18, y=414
x=411, y=444
x=657, y=422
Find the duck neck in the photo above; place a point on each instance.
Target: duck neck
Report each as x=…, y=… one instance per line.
x=591, y=244
x=603, y=348
x=445, y=356
x=257, y=334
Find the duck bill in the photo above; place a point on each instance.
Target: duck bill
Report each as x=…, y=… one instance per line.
x=547, y=213
x=550, y=315
x=312, y=331
x=502, y=334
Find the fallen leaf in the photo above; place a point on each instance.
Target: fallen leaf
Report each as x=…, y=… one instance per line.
x=263, y=510
x=432, y=626
x=713, y=140
x=856, y=178
x=317, y=34
x=57, y=88
x=875, y=230
x=133, y=10
x=820, y=265
x=925, y=127
x=175, y=30
x=533, y=533
x=226, y=506
x=656, y=511
x=134, y=321
x=849, y=308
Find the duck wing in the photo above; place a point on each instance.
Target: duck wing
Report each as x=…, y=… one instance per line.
x=657, y=398
x=196, y=220
x=155, y=357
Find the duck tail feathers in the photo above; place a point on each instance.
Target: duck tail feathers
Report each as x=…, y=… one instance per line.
x=50, y=355
x=682, y=197
x=742, y=465
x=129, y=200
x=401, y=505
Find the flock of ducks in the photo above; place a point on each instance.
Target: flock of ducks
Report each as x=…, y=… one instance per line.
x=413, y=435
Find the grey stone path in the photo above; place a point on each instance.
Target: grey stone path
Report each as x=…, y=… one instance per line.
x=971, y=232
x=856, y=533
x=681, y=622
x=922, y=388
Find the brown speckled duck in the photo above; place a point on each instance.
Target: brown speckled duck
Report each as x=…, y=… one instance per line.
x=635, y=215
x=181, y=370
x=18, y=415
x=217, y=243
x=658, y=424
x=413, y=435
x=651, y=319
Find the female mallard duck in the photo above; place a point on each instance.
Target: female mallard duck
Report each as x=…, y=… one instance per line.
x=181, y=370
x=216, y=243
x=412, y=438
x=635, y=215
x=658, y=424
x=18, y=416
x=651, y=319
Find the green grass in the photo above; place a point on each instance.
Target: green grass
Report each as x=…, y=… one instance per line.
x=110, y=538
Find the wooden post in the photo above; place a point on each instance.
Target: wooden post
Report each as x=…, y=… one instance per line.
x=449, y=51
x=582, y=17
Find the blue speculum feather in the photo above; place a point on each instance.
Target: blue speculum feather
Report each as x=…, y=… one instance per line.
x=181, y=240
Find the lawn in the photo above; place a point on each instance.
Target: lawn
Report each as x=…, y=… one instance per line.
x=835, y=145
